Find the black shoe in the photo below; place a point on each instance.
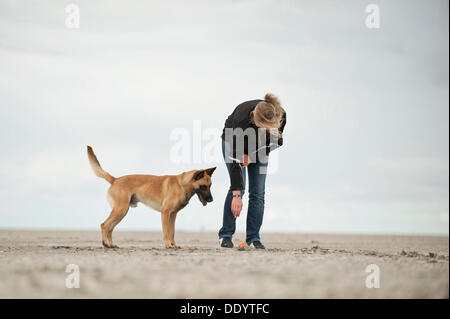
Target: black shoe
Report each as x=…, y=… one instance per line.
x=226, y=242
x=258, y=245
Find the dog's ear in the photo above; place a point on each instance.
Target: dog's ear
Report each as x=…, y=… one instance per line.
x=210, y=171
x=199, y=175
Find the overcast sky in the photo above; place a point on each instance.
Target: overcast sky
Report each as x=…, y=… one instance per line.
x=367, y=137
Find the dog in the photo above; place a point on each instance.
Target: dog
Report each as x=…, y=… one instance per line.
x=167, y=194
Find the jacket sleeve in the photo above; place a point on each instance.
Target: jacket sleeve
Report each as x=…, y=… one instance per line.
x=236, y=176
x=233, y=159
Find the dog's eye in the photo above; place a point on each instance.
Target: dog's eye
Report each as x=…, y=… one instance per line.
x=203, y=187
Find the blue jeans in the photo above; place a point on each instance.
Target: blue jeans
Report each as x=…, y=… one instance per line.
x=256, y=190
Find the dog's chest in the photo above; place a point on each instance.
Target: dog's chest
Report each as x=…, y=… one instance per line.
x=183, y=203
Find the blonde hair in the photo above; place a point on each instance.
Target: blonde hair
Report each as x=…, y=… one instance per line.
x=268, y=114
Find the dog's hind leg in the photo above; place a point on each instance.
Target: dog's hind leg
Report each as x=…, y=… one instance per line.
x=173, y=217
x=117, y=214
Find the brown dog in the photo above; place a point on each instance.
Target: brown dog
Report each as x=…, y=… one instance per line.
x=167, y=194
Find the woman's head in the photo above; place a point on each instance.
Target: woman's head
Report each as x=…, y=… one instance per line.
x=268, y=114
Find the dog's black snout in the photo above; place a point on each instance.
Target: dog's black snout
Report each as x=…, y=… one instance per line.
x=209, y=199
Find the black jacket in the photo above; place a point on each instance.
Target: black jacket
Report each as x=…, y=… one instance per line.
x=242, y=117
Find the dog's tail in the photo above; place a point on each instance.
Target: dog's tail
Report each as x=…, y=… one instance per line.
x=98, y=170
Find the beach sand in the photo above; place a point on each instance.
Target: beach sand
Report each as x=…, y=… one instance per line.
x=33, y=265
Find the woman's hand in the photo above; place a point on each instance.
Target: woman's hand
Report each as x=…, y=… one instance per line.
x=236, y=205
x=245, y=161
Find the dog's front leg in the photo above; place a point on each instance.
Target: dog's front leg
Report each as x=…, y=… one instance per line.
x=173, y=217
x=165, y=219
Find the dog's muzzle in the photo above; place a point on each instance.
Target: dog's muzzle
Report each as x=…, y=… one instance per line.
x=204, y=200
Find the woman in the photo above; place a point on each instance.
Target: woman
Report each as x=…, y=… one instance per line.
x=250, y=133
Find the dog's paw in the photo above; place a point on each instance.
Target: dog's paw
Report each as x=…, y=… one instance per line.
x=109, y=246
x=172, y=246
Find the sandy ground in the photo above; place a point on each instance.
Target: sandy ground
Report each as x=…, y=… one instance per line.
x=33, y=264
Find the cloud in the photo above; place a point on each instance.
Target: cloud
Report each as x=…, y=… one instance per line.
x=64, y=169
x=417, y=166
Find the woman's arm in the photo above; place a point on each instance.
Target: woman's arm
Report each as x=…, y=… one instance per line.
x=272, y=142
x=236, y=188
x=283, y=124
